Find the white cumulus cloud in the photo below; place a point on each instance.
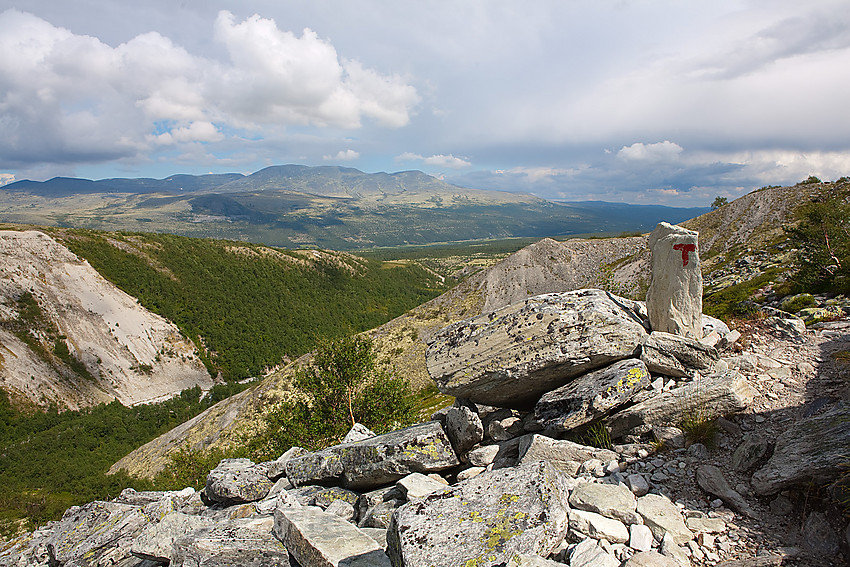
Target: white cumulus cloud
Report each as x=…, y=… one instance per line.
x=658, y=152
x=68, y=98
x=343, y=155
x=437, y=160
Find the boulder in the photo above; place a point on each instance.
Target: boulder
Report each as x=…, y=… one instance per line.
x=587, y=553
x=512, y=356
x=277, y=468
x=464, y=428
x=753, y=451
x=564, y=455
x=378, y=460
x=326, y=497
x=672, y=355
x=245, y=542
x=610, y=500
x=650, y=558
x=318, y=539
x=812, y=450
x=417, y=485
x=591, y=395
x=358, y=432
x=237, y=481
x=156, y=541
x=711, y=324
x=598, y=526
x=526, y=560
x=711, y=479
x=484, y=521
x=715, y=395
x=663, y=517
x=674, y=299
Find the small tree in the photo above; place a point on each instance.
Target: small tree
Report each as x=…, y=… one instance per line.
x=719, y=202
x=822, y=238
x=345, y=383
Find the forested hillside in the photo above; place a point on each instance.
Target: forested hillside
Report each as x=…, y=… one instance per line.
x=248, y=306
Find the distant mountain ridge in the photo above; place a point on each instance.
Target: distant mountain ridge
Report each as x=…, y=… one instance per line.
x=331, y=207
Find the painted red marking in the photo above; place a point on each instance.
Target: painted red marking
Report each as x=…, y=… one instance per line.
x=685, y=248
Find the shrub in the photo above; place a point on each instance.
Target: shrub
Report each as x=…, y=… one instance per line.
x=699, y=426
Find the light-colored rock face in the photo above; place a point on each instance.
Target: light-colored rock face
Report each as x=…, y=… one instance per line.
x=674, y=299
x=496, y=514
x=510, y=357
x=134, y=355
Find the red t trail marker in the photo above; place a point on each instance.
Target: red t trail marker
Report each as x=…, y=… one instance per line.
x=685, y=248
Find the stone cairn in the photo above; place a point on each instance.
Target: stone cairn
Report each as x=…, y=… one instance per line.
x=493, y=479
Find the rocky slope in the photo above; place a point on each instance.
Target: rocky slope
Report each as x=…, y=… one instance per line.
x=620, y=265
x=69, y=337
x=487, y=486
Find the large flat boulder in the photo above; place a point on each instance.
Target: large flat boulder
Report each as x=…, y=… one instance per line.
x=247, y=542
x=377, y=461
x=237, y=481
x=673, y=355
x=512, y=356
x=812, y=450
x=591, y=395
x=564, y=455
x=483, y=521
x=715, y=395
x=318, y=539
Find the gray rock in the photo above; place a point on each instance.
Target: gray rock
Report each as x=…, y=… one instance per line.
x=662, y=516
x=753, y=451
x=483, y=456
x=674, y=299
x=358, y=432
x=650, y=559
x=813, y=449
x=342, y=509
x=669, y=548
x=145, y=497
x=318, y=539
x=716, y=394
x=485, y=520
x=781, y=506
x=591, y=395
x=640, y=537
x=671, y=437
x=710, y=324
x=637, y=484
x=820, y=536
x=325, y=497
x=417, y=485
x=588, y=554
x=698, y=451
x=711, y=479
x=245, y=542
x=505, y=429
x=464, y=428
x=375, y=497
x=562, y=454
x=277, y=468
x=379, y=515
x=512, y=356
x=598, y=526
x=237, y=481
x=610, y=500
x=378, y=460
x=378, y=534
x=526, y=560
x=471, y=472
x=672, y=355
x=705, y=525
x=156, y=541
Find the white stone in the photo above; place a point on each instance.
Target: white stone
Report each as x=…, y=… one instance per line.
x=640, y=537
x=598, y=526
x=674, y=299
x=417, y=485
x=637, y=484
x=588, y=554
x=662, y=516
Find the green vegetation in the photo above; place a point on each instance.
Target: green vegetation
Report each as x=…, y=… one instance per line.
x=719, y=202
x=50, y=460
x=345, y=383
x=736, y=300
x=246, y=306
x=699, y=426
x=597, y=435
x=822, y=238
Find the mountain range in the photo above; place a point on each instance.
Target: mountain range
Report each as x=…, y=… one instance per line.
x=331, y=207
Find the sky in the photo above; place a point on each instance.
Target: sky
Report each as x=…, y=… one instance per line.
x=646, y=102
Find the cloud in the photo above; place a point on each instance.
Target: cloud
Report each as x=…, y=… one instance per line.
x=6, y=178
x=658, y=152
x=438, y=160
x=343, y=155
x=68, y=98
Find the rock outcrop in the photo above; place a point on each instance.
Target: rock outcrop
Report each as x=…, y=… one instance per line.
x=129, y=353
x=674, y=299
